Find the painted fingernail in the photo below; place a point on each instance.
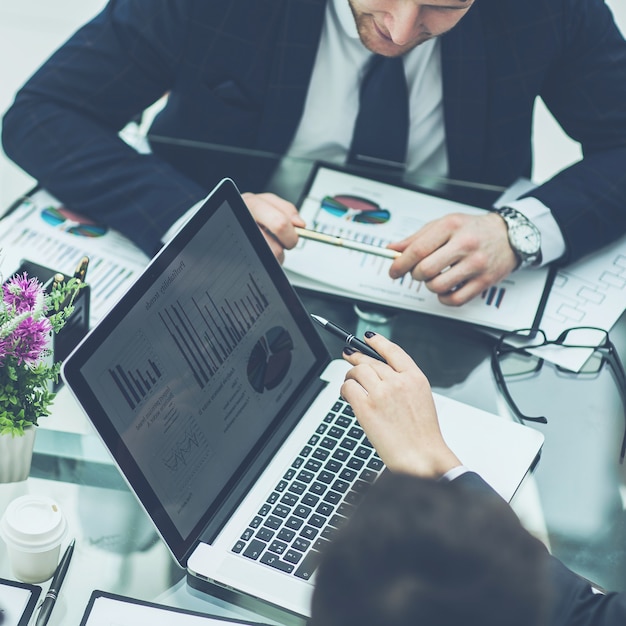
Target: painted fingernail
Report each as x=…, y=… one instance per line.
x=369, y=334
x=348, y=351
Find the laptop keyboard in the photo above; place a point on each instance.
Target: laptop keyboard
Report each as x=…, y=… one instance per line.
x=314, y=497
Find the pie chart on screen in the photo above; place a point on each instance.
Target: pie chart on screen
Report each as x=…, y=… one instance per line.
x=270, y=359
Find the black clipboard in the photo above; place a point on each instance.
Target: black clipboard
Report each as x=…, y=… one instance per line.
x=17, y=602
x=143, y=612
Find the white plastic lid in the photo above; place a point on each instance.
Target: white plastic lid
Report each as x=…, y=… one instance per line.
x=33, y=523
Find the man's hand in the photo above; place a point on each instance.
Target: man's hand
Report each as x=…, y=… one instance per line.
x=394, y=405
x=276, y=219
x=457, y=256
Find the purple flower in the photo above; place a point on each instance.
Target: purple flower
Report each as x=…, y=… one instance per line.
x=22, y=293
x=24, y=329
x=30, y=339
x=5, y=346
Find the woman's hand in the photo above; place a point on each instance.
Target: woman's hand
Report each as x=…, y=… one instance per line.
x=393, y=403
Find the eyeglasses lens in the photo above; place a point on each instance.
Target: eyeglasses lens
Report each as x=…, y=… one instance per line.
x=584, y=337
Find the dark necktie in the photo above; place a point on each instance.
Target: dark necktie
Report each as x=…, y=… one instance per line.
x=381, y=130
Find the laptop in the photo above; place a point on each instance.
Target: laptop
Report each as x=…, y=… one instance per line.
x=217, y=399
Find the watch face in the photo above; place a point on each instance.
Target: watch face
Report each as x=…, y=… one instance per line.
x=526, y=238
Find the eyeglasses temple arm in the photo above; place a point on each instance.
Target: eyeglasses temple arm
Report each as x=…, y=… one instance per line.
x=501, y=382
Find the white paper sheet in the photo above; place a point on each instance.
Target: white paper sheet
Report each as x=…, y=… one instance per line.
x=590, y=292
x=510, y=305
x=17, y=601
x=119, y=611
x=42, y=231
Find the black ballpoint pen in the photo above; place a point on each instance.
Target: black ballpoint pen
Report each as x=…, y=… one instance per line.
x=348, y=338
x=55, y=586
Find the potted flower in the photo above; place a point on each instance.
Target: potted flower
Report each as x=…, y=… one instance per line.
x=29, y=315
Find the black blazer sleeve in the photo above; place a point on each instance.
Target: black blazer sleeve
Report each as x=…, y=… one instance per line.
x=235, y=73
x=574, y=603
x=63, y=127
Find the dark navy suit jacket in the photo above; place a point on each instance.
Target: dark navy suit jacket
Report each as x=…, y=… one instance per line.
x=237, y=73
x=573, y=602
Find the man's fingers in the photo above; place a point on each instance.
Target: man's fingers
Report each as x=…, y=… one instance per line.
x=464, y=292
x=277, y=217
x=419, y=249
x=457, y=256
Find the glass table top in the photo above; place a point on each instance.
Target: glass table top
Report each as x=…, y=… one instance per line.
x=574, y=499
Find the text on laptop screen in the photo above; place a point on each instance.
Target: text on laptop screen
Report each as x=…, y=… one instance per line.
x=199, y=367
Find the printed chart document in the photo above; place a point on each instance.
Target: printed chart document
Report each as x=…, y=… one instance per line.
x=589, y=292
x=42, y=230
x=17, y=602
x=352, y=207
x=107, y=609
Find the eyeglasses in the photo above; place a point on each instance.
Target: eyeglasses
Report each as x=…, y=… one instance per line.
x=510, y=361
x=355, y=209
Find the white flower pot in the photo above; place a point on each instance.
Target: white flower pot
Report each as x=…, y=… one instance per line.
x=16, y=454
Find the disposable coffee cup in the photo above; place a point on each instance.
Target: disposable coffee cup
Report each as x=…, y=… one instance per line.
x=33, y=528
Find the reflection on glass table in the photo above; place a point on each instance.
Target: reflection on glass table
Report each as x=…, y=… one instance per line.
x=589, y=292
x=524, y=361
x=573, y=499
x=259, y=170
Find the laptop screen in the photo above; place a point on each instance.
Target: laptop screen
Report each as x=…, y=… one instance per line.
x=188, y=376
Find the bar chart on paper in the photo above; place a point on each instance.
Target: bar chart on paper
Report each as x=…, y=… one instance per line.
x=343, y=205
x=377, y=268
x=43, y=231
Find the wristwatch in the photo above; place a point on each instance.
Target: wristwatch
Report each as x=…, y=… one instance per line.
x=524, y=237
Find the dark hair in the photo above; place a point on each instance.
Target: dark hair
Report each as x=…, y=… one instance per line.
x=421, y=552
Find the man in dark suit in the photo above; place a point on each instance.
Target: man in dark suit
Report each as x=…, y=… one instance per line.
x=431, y=542
x=280, y=77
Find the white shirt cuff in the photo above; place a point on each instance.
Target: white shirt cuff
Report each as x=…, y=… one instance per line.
x=455, y=472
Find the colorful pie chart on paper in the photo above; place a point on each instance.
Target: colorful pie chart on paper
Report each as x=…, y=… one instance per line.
x=270, y=359
x=72, y=223
x=355, y=209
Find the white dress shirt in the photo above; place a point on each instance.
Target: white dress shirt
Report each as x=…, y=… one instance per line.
x=334, y=88
x=325, y=129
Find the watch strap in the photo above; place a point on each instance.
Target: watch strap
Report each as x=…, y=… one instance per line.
x=514, y=220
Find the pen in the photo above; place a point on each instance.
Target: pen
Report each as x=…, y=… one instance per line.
x=347, y=243
x=81, y=270
x=55, y=586
x=348, y=338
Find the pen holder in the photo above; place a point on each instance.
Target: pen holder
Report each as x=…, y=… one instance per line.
x=76, y=326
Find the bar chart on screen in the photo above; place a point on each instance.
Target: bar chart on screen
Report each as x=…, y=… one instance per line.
x=206, y=332
x=138, y=373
